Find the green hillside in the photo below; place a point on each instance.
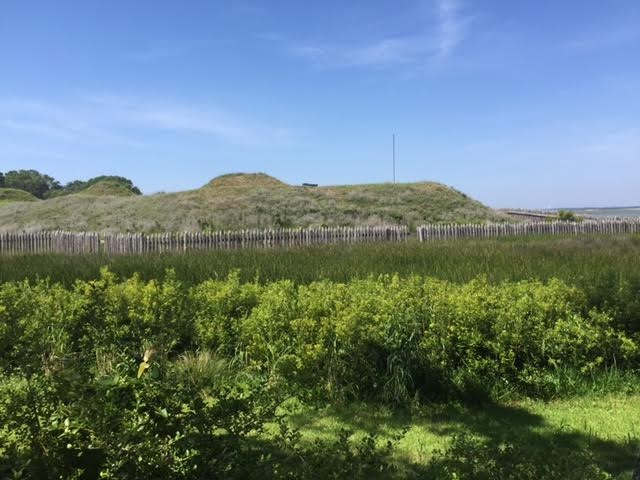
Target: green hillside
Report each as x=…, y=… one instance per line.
x=10, y=195
x=239, y=201
x=107, y=187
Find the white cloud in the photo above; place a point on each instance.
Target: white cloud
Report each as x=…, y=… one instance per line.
x=452, y=27
x=120, y=119
x=386, y=52
x=445, y=28
x=187, y=118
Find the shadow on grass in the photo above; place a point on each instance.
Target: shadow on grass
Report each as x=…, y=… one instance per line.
x=508, y=435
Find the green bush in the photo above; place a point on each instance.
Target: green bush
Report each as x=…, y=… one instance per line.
x=385, y=337
x=568, y=216
x=74, y=403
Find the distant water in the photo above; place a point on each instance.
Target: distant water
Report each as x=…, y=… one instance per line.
x=608, y=212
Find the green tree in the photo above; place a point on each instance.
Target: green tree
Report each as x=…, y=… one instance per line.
x=77, y=186
x=1, y=180
x=32, y=181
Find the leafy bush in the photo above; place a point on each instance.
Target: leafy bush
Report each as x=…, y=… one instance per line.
x=32, y=181
x=195, y=417
x=385, y=337
x=75, y=404
x=568, y=216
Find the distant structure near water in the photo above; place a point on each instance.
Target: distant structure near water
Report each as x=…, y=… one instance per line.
x=309, y=184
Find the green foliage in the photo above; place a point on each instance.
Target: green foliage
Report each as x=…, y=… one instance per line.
x=605, y=268
x=568, y=216
x=219, y=307
x=32, y=181
x=43, y=186
x=392, y=338
x=72, y=404
x=385, y=337
x=103, y=184
x=110, y=424
x=195, y=417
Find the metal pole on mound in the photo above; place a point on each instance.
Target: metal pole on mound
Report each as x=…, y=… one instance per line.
x=393, y=141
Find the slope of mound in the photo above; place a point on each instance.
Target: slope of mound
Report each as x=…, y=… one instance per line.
x=245, y=180
x=107, y=187
x=15, y=195
x=250, y=201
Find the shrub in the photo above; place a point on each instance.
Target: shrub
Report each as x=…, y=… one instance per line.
x=73, y=405
x=568, y=216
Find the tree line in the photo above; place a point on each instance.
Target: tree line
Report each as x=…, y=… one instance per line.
x=44, y=186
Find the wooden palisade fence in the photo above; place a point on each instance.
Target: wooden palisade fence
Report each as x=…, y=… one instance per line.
x=138, y=243
x=45, y=242
x=452, y=231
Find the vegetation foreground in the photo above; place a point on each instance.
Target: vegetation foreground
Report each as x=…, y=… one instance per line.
x=606, y=268
x=385, y=376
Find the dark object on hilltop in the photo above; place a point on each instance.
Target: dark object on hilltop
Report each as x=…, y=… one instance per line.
x=309, y=184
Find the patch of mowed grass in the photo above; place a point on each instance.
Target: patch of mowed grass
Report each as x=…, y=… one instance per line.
x=591, y=262
x=604, y=428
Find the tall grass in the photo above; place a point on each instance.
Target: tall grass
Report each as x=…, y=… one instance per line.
x=584, y=261
x=605, y=267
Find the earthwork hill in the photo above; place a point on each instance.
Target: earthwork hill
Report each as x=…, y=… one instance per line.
x=241, y=201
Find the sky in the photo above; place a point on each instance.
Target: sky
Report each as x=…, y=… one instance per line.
x=517, y=103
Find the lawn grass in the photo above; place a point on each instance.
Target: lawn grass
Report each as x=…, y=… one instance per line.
x=608, y=427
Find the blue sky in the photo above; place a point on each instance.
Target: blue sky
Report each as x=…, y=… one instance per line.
x=517, y=103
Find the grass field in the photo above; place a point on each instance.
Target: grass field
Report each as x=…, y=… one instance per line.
x=607, y=426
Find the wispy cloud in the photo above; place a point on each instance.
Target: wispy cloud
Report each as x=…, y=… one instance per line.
x=445, y=28
x=40, y=119
x=114, y=119
x=37, y=129
x=452, y=27
x=388, y=51
x=181, y=118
